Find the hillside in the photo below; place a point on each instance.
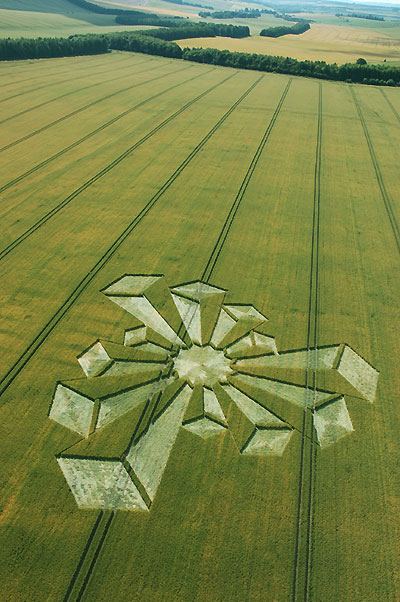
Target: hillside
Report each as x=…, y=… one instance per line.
x=47, y=18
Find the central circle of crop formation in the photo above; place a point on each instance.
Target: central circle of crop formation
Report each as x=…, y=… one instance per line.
x=202, y=365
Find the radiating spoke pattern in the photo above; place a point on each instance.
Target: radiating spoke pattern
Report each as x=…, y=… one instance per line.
x=192, y=362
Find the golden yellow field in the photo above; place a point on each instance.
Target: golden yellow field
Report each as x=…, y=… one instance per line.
x=330, y=43
x=270, y=204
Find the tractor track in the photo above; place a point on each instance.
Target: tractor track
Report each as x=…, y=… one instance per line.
x=96, y=540
x=100, y=128
x=80, y=109
x=72, y=593
x=21, y=81
x=30, y=79
x=97, y=537
x=242, y=191
x=96, y=554
x=210, y=265
x=105, y=170
x=389, y=102
x=54, y=83
x=82, y=559
x=312, y=343
x=36, y=343
x=97, y=58
x=38, y=75
x=301, y=588
x=84, y=569
x=387, y=201
x=70, y=93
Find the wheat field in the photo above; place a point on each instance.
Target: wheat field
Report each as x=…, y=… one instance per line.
x=281, y=193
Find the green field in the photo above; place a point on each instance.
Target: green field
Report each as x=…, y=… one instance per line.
x=285, y=193
x=26, y=18
x=331, y=38
x=34, y=18
x=332, y=43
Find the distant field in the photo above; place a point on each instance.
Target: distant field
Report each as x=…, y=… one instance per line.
x=46, y=18
x=60, y=18
x=255, y=25
x=170, y=7
x=322, y=42
x=33, y=25
x=388, y=24
x=282, y=191
x=330, y=39
x=159, y=6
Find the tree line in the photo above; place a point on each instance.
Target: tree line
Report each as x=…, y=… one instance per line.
x=351, y=72
x=184, y=3
x=96, y=8
x=160, y=42
x=283, y=15
x=154, y=41
x=283, y=30
x=200, y=30
x=142, y=18
x=42, y=48
x=370, y=17
x=247, y=13
x=141, y=42
x=102, y=10
x=381, y=75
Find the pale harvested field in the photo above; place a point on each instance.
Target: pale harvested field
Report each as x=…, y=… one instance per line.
x=289, y=189
x=333, y=44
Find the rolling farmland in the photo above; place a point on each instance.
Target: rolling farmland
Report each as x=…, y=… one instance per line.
x=274, y=192
x=33, y=18
x=330, y=43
